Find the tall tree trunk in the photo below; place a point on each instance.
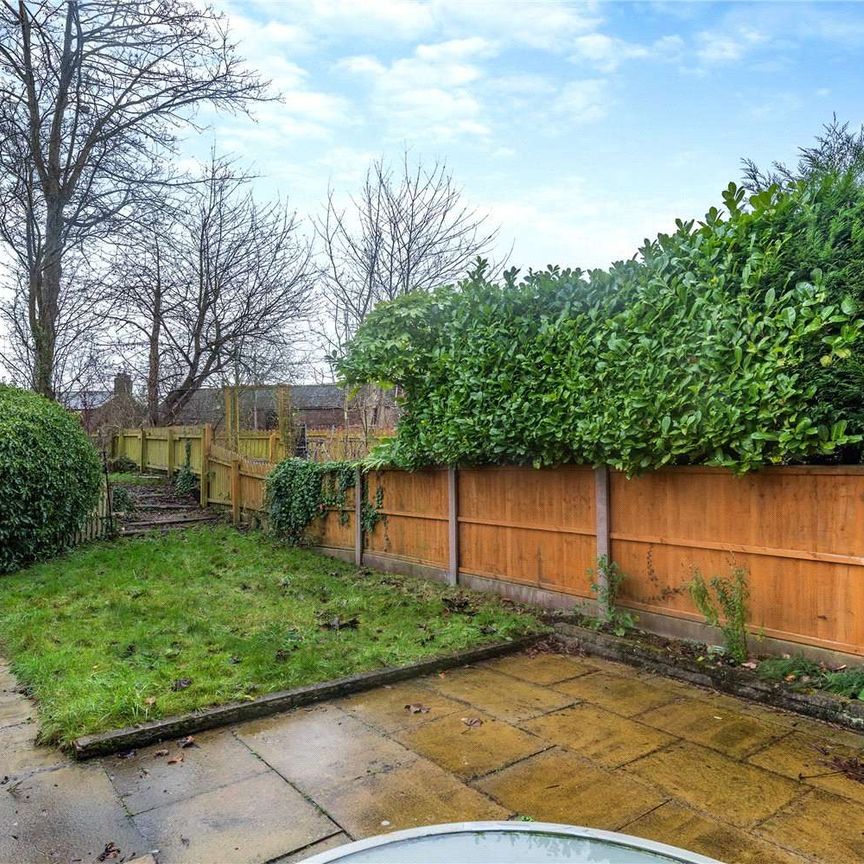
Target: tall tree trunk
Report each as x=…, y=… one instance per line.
x=153, y=408
x=44, y=305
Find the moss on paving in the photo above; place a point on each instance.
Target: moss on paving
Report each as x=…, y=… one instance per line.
x=121, y=632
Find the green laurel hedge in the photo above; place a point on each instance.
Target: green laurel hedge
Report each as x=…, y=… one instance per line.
x=733, y=342
x=49, y=477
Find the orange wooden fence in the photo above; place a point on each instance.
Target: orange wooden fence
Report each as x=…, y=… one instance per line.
x=797, y=531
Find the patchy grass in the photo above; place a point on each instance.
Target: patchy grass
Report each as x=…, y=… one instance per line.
x=128, y=478
x=799, y=672
x=121, y=632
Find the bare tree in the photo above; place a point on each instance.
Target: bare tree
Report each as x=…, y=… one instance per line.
x=407, y=230
x=838, y=149
x=92, y=93
x=214, y=293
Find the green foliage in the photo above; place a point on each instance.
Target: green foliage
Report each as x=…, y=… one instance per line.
x=847, y=682
x=185, y=481
x=782, y=668
x=606, y=583
x=122, y=465
x=733, y=342
x=299, y=490
x=100, y=635
x=50, y=477
x=121, y=500
x=724, y=603
x=798, y=671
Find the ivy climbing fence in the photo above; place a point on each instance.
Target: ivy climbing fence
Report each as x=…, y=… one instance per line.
x=535, y=535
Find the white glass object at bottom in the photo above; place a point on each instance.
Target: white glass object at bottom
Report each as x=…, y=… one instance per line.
x=507, y=843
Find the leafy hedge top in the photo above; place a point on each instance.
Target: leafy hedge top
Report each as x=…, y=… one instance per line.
x=49, y=477
x=735, y=342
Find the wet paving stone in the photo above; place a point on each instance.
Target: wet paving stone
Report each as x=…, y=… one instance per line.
x=715, y=784
x=320, y=747
x=502, y=696
x=676, y=825
x=805, y=758
x=557, y=786
x=153, y=776
x=625, y=696
x=254, y=821
x=403, y=706
x=541, y=668
x=599, y=735
x=470, y=750
x=819, y=825
x=406, y=797
x=730, y=732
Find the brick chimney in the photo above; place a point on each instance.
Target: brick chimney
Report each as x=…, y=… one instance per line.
x=122, y=384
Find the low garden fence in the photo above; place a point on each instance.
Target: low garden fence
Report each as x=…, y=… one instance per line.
x=536, y=534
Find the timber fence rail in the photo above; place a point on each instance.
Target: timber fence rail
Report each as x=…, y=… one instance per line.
x=536, y=535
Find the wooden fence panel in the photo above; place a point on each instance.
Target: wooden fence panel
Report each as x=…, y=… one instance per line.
x=799, y=532
x=219, y=470
x=414, y=507
x=527, y=526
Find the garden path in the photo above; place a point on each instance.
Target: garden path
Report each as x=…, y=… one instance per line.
x=550, y=737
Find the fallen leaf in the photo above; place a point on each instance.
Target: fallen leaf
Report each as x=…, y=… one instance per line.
x=338, y=623
x=181, y=684
x=790, y=677
x=150, y=700
x=750, y=664
x=109, y=853
x=188, y=741
x=234, y=660
x=159, y=753
x=416, y=708
x=129, y=754
x=176, y=759
x=472, y=722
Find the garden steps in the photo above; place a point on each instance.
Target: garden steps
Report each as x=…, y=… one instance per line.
x=160, y=508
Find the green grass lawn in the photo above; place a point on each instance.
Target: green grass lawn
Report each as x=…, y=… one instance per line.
x=120, y=632
x=129, y=478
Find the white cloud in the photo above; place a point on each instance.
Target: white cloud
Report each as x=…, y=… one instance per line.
x=429, y=94
x=583, y=101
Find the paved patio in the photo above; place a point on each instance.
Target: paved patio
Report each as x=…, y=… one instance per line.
x=549, y=737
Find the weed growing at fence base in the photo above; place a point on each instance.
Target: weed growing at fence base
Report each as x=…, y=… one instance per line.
x=118, y=633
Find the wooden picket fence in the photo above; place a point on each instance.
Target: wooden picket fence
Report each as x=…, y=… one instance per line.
x=535, y=535
x=99, y=524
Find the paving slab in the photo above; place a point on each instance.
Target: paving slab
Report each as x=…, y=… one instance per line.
x=731, y=732
x=541, y=668
x=252, y=821
x=470, y=750
x=820, y=825
x=339, y=839
x=803, y=757
x=320, y=747
x=676, y=825
x=15, y=709
x=626, y=696
x=502, y=696
x=165, y=773
x=722, y=787
x=557, y=786
x=599, y=735
x=387, y=708
x=70, y=814
x=406, y=797
x=21, y=754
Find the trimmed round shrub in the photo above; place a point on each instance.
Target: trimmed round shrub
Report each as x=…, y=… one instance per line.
x=49, y=477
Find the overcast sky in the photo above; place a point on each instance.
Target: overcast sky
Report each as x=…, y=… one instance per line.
x=581, y=128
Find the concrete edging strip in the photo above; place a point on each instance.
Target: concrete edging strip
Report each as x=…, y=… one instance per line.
x=118, y=740
x=735, y=681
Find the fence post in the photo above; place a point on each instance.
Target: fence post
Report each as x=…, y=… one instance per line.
x=272, y=444
x=142, y=464
x=358, y=516
x=170, y=445
x=601, y=521
x=453, y=525
x=204, y=485
x=235, y=491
